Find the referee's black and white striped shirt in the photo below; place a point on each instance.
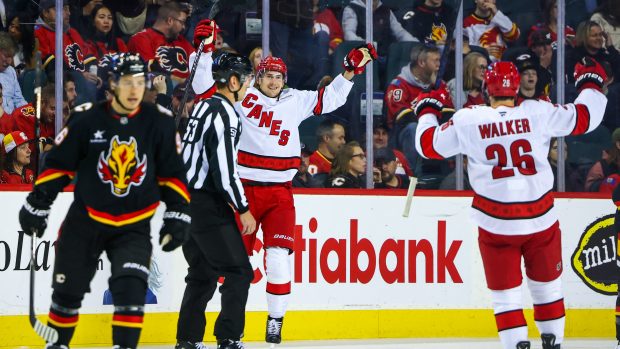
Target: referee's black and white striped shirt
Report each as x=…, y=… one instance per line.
x=210, y=150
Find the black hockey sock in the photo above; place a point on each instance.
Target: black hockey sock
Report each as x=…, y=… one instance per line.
x=64, y=320
x=128, y=294
x=127, y=325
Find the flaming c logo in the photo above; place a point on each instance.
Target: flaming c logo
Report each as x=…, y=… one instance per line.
x=172, y=58
x=28, y=110
x=438, y=33
x=122, y=166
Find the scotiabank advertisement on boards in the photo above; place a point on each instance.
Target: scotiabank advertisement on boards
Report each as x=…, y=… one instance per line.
x=352, y=252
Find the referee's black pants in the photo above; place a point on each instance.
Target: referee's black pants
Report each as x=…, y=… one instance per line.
x=215, y=249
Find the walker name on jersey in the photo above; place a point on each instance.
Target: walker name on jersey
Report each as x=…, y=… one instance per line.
x=265, y=119
x=312, y=254
x=504, y=128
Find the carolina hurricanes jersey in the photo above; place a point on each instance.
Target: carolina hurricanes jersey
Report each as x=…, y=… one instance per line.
x=269, y=149
x=487, y=31
x=319, y=163
x=163, y=55
x=507, y=149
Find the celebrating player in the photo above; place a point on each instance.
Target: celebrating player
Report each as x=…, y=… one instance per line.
x=125, y=157
x=215, y=247
x=269, y=156
x=506, y=148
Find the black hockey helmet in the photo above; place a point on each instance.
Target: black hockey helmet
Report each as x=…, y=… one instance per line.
x=227, y=64
x=129, y=64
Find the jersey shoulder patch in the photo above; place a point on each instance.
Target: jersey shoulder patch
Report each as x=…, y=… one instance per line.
x=164, y=111
x=82, y=107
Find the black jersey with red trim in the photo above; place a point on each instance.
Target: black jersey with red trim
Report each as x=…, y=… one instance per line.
x=123, y=164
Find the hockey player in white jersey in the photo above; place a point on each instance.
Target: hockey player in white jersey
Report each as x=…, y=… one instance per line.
x=506, y=148
x=269, y=156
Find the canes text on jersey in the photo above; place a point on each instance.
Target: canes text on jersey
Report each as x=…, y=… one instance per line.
x=265, y=119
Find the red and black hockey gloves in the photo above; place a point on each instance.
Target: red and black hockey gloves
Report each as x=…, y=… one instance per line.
x=205, y=30
x=175, y=230
x=358, y=57
x=33, y=215
x=431, y=102
x=589, y=74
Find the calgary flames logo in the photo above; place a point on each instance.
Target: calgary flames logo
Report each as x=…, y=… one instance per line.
x=438, y=33
x=172, y=59
x=28, y=110
x=121, y=167
x=75, y=57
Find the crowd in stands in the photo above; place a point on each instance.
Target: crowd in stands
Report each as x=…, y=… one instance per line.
x=312, y=36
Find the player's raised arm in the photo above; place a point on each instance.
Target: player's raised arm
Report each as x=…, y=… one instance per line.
x=334, y=95
x=432, y=140
x=586, y=112
x=203, y=83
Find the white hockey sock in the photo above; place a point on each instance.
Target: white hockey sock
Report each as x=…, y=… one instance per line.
x=278, y=270
x=508, y=309
x=548, y=307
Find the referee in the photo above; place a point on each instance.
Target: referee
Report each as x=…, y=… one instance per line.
x=215, y=247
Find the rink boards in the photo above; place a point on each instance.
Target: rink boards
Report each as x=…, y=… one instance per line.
x=361, y=270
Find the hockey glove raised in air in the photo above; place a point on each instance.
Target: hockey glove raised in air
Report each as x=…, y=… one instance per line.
x=205, y=30
x=431, y=102
x=33, y=215
x=358, y=57
x=175, y=230
x=589, y=74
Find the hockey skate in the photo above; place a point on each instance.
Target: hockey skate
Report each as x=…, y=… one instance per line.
x=229, y=344
x=617, y=345
x=548, y=341
x=190, y=345
x=274, y=330
x=523, y=345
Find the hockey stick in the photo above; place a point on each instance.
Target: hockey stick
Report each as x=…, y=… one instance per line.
x=413, y=181
x=188, y=84
x=48, y=334
x=37, y=126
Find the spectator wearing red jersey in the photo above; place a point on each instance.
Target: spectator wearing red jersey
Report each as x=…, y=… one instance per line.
x=488, y=27
x=162, y=45
x=325, y=21
x=550, y=25
x=331, y=138
x=15, y=170
x=101, y=37
x=23, y=118
x=77, y=56
x=419, y=75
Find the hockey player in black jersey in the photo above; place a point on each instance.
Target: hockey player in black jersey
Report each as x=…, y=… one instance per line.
x=215, y=247
x=125, y=156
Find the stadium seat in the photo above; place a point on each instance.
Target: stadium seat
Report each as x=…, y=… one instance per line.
x=307, y=131
x=525, y=20
x=338, y=57
x=399, y=55
x=27, y=83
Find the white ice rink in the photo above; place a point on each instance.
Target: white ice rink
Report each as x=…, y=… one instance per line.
x=410, y=344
